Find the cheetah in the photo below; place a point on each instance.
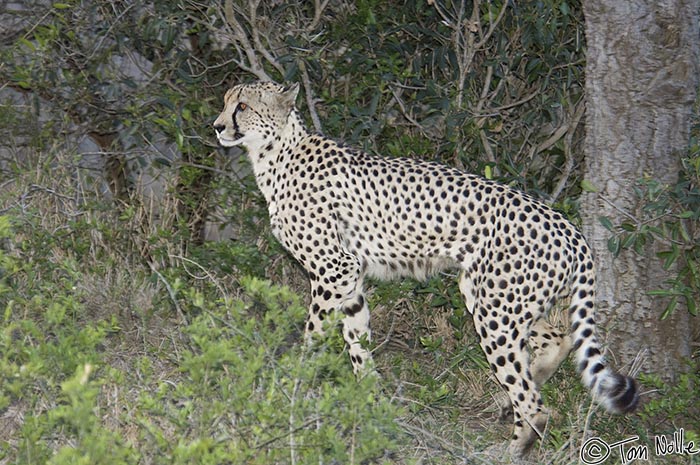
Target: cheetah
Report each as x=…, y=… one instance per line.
x=345, y=214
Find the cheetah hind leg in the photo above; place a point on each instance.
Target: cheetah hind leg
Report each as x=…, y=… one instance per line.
x=549, y=347
x=506, y=352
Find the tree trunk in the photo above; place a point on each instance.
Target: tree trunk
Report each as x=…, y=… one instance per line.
x=641, y=81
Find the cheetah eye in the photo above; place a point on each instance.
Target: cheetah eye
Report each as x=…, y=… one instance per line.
x=242, y=106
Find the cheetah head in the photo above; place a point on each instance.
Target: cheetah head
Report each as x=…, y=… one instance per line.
x=254, y=114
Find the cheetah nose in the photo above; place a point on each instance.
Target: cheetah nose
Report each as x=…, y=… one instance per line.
x=219, y=128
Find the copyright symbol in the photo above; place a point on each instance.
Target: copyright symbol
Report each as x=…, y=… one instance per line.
x=594, y=451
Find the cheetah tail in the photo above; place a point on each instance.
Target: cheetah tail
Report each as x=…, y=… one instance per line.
x=618, y=393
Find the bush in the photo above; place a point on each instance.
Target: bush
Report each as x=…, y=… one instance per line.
x=244, y=389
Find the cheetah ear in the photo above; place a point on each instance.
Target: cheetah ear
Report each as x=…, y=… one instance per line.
x=289, y=96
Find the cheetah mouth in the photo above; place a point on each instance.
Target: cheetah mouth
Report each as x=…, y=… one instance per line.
x=231, y=142
x=237, y=134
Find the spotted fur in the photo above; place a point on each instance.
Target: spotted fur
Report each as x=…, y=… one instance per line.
x=345, y=215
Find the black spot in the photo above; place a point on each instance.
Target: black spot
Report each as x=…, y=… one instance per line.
x=592, y=352
x=597, y=368
x=355, y=308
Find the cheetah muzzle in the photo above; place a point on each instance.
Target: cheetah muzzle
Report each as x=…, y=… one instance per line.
x=345, y=215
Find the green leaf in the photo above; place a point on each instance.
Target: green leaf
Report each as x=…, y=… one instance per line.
x=669, y=308
x=684, y=232
x=660, y=293
x=628, y=240
x=693, y=268
x=640, y=241
x=614, y=245
x=564, y=8
x=605, y=221
x=669, y=256
x=27, y=43
x=588, y=186
x=690, y=303
x=61, y=6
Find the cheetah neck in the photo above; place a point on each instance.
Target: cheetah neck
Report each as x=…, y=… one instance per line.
x=269, y=160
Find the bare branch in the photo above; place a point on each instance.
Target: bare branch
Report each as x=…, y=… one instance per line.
x=568, y=142
x=318, y=11
x=487, y=146
x=485, y=88
x=465, y=43
x=241, y=37
x=550, y=141
x=308, y=91
x=492, y=25
x=254, y=26
x=496, y=110
x=402, y=107
x=464, y=34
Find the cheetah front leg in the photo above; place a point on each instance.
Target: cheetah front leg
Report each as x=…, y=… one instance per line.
x=342, y=291
x=357, y=334
x=356, y=331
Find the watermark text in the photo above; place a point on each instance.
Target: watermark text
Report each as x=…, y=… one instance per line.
x=596, y=451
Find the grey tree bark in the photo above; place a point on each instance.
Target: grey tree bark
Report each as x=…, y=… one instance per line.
x=641, y=83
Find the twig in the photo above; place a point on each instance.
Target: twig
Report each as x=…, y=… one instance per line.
x=550, y=141
x=218, y=171
x=496, y=110
x=308, y=91
x=482, y=99
x=464, y=40
x=170, y=290
x=387, y=338
x=318, y=11
x=292, y=417
x=402, y=107
x=253, y=21
x=620, y=210
x=207, y=273
x=465, y=58
x=568, y=141
x=492, y=25
x=487, y=146
x=240, y=36
x=485, y=88
x=108, y=33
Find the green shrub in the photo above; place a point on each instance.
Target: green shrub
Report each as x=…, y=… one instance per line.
x=242, y=389
x=264, y=397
